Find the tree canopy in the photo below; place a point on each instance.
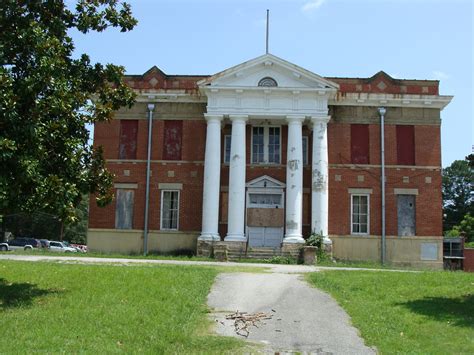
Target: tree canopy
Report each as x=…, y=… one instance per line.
x=48, y=95
x=458, y=198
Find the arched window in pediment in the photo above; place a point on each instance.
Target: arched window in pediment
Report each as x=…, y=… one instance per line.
x=267, y=81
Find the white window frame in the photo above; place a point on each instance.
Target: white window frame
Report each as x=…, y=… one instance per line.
x=266, y=140
x=227, y=137
x=305, y=156
x=161, y=210
x=368, y=213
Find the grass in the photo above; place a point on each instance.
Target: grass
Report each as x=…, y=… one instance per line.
x=408, y=313
x=62, y=308
x=111, y=255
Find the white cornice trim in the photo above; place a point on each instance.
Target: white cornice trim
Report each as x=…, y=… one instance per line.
x=178, y=96
x=390, y=100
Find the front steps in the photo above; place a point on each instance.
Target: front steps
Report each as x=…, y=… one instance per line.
x=253, y=253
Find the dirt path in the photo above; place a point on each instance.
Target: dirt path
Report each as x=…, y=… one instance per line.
x=304, y=319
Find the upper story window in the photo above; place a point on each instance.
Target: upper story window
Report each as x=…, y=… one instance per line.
x=360, y=144
x=305, y=150
x=128, y=139
x=406, y=145
x=173, y=140
x=227, y=142
x=266, y=145
x=267, y=81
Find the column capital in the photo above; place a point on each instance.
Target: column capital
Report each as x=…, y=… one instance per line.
x=213, y=117
x=320, y=119
x=239, y=118
x=295, y=119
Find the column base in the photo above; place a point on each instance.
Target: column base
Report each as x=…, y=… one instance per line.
x=209, y=237
x=292, y=250
x=327, y=246
x=235, y=238
x=293, y=239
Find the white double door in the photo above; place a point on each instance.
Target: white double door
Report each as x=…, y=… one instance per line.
x=269, y=237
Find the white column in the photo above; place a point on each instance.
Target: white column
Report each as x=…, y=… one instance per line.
x=294, y=181
x=319, y=180
x=212, y=174
x=236, y=214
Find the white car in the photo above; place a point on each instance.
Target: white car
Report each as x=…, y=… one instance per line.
x=61, y=247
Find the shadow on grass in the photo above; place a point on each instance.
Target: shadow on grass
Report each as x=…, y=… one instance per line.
x=20, y=294
x=457, y=310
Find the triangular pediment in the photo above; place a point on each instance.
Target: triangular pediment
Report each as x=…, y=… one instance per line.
x=265, y=181
x=250, y=73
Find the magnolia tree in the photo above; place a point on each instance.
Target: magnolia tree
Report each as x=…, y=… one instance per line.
x=47, y=99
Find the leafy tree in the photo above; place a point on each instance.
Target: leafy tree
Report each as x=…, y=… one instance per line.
x=76, y=232
x=465, y=228
x=458, y=197
x=47, y=97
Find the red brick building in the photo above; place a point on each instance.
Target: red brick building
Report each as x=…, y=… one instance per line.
x=264, y=153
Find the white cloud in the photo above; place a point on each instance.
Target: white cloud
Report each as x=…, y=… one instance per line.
x=439, y=75
x=312, y=5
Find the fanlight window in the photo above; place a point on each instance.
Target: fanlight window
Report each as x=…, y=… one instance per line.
x=267, y=81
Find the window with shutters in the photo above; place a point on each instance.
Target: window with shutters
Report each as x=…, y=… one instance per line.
x=360, y=144
x=173, y=139
x=128, y=139
x=406, y=145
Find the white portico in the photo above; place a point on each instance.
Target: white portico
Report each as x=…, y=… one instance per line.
x=271, y=89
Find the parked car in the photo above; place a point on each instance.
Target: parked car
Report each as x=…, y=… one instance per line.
x=44, y=243
x=80, y=247
x=24, y=243
x=61, y=247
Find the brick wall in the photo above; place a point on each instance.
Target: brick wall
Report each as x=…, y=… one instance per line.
x=425, y=176
x=468, y=261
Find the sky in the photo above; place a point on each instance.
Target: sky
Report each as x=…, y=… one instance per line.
x=408, y=39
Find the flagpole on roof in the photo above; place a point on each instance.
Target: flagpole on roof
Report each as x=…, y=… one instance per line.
x=266, y=41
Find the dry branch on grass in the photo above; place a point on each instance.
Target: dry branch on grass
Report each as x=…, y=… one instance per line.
x=243, y=320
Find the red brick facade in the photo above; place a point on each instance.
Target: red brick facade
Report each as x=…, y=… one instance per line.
x=424, y=175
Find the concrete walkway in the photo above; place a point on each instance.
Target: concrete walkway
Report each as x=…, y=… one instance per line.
x=304, y=319
x=279, y=268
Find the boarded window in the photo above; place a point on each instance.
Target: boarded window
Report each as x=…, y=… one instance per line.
x=405, y=145
x=128, y=139
x=173, y=140
x=169, y=209
x=124, y=209
x=360, y=144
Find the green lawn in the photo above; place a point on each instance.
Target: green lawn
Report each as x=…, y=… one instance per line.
x=407, y=313
x=111, y=255
x=54, y=307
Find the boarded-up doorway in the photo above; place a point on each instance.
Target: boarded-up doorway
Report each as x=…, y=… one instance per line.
x=265, y=212
x=406, y=215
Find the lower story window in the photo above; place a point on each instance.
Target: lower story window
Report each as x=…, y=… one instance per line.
x=169, y=209
x=359, y=214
